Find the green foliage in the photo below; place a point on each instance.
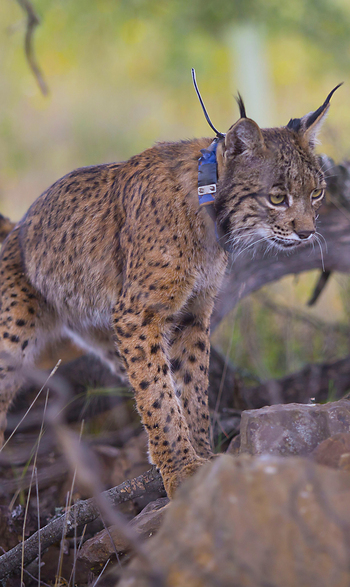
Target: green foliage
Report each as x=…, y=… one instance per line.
x=273, y=333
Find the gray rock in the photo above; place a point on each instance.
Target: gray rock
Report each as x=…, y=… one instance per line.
x=292, y=429
x=332, y=451
x=252, y=521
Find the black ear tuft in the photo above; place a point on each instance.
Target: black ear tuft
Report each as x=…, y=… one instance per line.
x=294, y=124
x=309, y=125
x=313, y=117
x=241, y=106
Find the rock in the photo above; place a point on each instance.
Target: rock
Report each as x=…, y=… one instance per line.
x=344, y=462
x=235, y=445
x=99, y=549
x=330, y=451
x=292, y=429
x=253, y=521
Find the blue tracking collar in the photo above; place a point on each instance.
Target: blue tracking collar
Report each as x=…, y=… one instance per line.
x=207, y=175
x=207, y=180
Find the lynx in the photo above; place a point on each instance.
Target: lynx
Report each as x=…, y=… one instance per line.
x=121, y=258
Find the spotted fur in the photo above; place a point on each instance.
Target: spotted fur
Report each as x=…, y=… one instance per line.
x=120, y=258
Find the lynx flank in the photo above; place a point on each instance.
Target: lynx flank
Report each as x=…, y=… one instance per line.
x=120, y=258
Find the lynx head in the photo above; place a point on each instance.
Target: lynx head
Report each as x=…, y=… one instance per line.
x=270, y=181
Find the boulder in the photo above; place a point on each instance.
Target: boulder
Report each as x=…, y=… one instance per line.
x=292, y=429
x=333, y=452
x=253, y=522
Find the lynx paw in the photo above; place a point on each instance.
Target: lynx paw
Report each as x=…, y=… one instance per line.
x=172, y=481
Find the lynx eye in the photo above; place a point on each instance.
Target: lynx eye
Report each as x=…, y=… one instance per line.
x=317, y=194
x=277, y=199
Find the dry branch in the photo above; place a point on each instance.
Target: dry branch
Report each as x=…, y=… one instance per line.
x=32, y=22
x=79, y=514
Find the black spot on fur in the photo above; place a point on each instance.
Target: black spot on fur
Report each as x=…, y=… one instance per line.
x=176, y=365
x=200, y=345
x=149, y=315
x=155, y=348
x=187, y=378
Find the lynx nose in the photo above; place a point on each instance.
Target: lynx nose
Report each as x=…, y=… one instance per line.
x=303, y=234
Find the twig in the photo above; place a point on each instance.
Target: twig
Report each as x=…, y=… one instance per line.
x=319, y=287
x=32, y=22
x=80, y=513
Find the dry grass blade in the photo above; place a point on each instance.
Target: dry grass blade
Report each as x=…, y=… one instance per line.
x=34, y=579
x=101, y=573
x=67, y=508
x=60, y=558
x=38, y=511
x=34, y=472
x=31, y=405
x=76, y=552
x=86, y=467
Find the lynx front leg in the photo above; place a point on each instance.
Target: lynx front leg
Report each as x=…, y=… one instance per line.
x=141, y=337
x=190, y=349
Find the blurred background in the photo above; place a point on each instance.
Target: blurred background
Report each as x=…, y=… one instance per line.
x=118, y=74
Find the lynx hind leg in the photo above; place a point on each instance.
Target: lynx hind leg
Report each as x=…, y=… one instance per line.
x=20, y=310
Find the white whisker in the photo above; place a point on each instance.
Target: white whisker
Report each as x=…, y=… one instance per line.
x=264, y=238
x=321, y=252
x=324, y=240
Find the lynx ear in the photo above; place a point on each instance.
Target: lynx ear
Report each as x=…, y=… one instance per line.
x=245, y=135
x=309, y=125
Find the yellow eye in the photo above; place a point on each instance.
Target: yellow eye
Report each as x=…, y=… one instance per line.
x=317, y=194
x=277, y=199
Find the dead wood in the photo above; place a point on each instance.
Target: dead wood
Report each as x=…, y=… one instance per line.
x=32, y=22
x=79, y=514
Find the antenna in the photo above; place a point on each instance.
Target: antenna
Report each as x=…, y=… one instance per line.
x=220, y=135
